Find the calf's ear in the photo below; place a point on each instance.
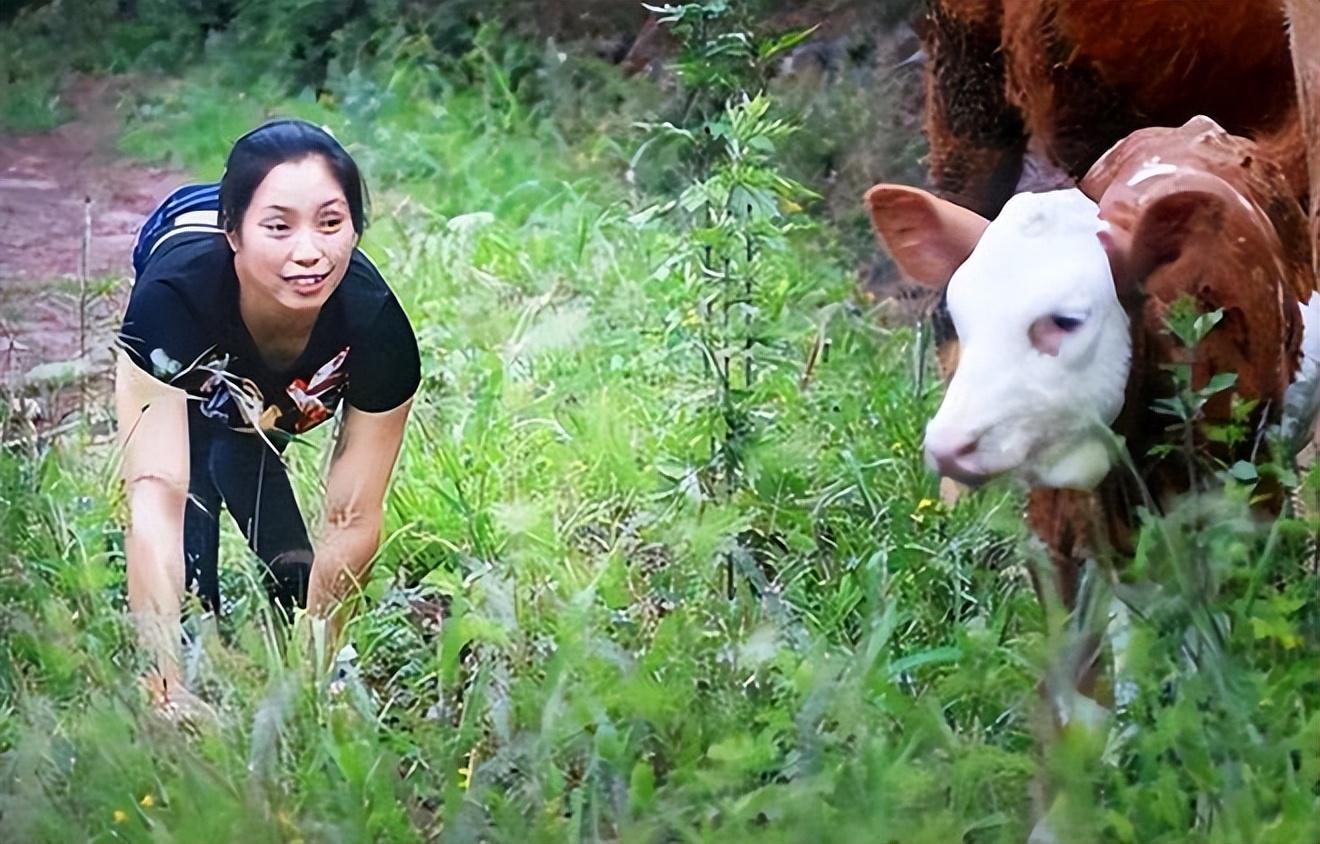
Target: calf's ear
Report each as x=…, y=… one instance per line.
x=929, y=237
x=1168, y=227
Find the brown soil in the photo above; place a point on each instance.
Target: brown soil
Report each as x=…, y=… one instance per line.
x=45, y=182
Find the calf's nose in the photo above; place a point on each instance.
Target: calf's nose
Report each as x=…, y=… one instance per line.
x=951, y=455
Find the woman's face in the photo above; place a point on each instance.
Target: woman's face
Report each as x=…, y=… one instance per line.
x=295, y=240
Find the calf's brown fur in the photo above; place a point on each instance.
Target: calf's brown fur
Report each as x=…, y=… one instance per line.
x=1236, y=242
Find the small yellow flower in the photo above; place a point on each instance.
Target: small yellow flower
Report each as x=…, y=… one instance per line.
x=120, y=816
x=926, y=502
x=147, y=801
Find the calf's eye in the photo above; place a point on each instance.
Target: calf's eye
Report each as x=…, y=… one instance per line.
x=1048, y=332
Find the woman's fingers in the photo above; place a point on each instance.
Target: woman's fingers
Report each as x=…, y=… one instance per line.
x=173, y=702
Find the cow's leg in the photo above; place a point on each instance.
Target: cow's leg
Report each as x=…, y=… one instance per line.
x=976, y=137
x=1075, y=595
x=1304, y=37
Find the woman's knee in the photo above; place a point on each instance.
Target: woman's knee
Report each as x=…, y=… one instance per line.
x=287, y=576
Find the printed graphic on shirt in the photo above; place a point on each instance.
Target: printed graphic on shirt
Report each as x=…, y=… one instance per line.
x=317, y=398
x=238, y=402
x=230, y=398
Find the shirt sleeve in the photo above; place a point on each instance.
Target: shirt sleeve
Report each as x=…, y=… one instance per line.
x=162, y=337
x=384, y=365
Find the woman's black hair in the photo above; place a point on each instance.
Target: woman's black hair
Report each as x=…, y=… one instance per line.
x=273, y=143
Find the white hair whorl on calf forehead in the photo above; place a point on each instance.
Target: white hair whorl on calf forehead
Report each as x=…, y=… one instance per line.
x=1059, y=213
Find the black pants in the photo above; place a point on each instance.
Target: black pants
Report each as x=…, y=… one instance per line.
x=242, y=472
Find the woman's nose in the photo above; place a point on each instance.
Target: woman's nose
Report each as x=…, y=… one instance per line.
x=305, y=252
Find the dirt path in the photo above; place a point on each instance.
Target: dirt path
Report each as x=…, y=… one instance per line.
x=44, y=182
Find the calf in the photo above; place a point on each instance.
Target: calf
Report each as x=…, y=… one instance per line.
x=1060, y=302
x=1060, y=307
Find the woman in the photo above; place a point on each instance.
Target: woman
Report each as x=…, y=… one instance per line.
x=252, y=317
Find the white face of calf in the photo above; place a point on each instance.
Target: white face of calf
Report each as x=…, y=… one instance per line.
x=1044, y=349
x=1044, y=342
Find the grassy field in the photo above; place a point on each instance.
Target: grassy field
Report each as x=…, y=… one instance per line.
x=620, y=598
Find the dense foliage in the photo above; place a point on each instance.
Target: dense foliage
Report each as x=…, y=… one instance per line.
x=662, y=560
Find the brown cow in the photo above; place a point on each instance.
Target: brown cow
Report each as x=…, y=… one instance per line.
x=1304, y=26
x=1026, y=94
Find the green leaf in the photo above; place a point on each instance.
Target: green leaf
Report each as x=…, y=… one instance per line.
x=641, y=785
x=787, y=41
x=1171, y=407
x=1205, y=323
x=1244, y=471
x=934, y=656
x=1219, y=383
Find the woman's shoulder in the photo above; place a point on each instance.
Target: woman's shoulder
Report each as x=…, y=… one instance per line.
x=385, y=364
x=365, y=276
x=190, y=262
x=365, y=292
x=173, y=311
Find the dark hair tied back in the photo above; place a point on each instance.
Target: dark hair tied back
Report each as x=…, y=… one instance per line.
x=274, y=143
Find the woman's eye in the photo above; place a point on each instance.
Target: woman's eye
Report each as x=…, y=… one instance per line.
x=1066, y=323
x=276, y=227
x=332, y=224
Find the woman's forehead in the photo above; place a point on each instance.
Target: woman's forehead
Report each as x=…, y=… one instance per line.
x=307, y=184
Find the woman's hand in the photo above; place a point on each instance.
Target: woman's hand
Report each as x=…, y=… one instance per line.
x=360, y=471
x=173, y=702
x=153, y=436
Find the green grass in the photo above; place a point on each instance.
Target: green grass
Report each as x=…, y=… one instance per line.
x=872, y=677
x=32, y=105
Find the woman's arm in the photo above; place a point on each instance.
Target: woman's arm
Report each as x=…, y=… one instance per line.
x=153, y=436
x=360, y=469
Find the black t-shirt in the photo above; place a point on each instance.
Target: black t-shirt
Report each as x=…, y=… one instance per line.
x=184, y=328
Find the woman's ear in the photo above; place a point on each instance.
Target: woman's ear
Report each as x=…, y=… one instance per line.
x=232, y=237
x=929, y=237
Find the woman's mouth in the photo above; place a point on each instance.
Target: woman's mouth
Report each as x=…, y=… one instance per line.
x=306, y=285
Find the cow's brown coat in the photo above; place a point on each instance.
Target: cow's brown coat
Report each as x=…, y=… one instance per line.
x=1253, y=263
x=1076, y=76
